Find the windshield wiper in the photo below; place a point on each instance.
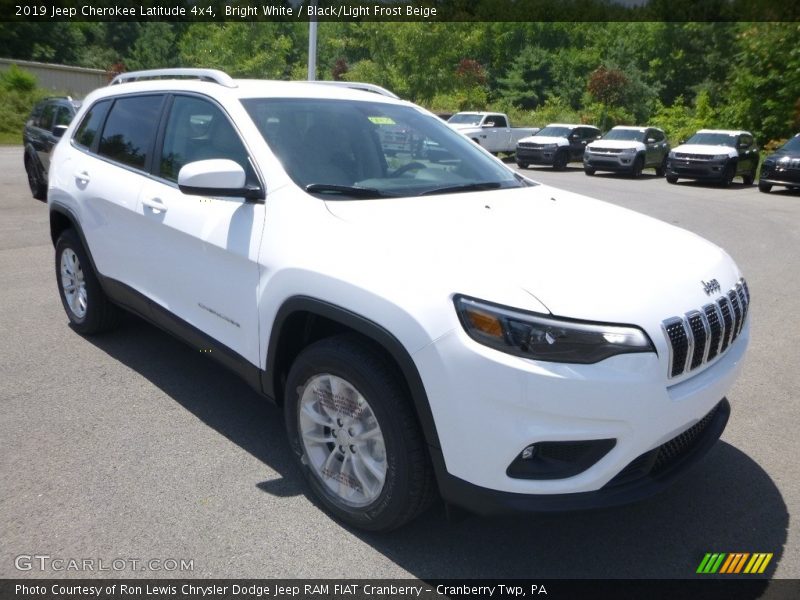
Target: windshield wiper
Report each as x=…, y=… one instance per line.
x=346, y=190
x=464, y=187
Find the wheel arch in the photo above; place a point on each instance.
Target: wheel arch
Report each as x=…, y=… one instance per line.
x=302, y=320
x=61, y=219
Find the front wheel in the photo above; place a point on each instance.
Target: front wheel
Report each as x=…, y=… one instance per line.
x=87, y=307
x=672, y=179
x=560, y=161
x=638, y=167
x=749, y=178
x=662, y=168
x=352, y=428
x=522, y=165
x=727, y=175
x=589, y=170
x=764, y=187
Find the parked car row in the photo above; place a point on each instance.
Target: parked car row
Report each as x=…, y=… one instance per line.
x=709, y=155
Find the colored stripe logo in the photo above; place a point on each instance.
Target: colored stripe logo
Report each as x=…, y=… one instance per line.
x=734, y=563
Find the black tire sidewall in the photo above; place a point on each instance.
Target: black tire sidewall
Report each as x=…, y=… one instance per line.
x=320, y=358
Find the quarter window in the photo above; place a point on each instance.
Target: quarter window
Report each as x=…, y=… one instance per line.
x=130, y=129
x=91, y=123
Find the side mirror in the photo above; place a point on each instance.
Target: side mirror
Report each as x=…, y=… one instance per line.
x=216, y=177
x=682, y=141
x=59, y=130
x=651, y=140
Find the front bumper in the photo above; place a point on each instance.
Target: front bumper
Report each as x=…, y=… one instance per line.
x=488, y=406
x=536, y=156
x=609, y=162
x=790, y=177
x=645, y=476
x=696, y=169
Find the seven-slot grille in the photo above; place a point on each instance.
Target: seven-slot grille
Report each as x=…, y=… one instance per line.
x=688, y=156
x=701, y=335
x=607, y=150
x=531, y=145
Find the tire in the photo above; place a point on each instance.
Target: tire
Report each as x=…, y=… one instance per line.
x=727, y=175
x=522, y=165
x=560, y=161
x=764, y=187
x=375, y=482
x=749, y=178
x=672, y=179
x=87, y=307
x=38, y=187
x=638, y=167
x=661, y=170
x=589, y=170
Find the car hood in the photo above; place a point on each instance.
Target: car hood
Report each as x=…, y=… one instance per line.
x=545, y=139
x=705, y=149
x=621, y=144
x=575, y=256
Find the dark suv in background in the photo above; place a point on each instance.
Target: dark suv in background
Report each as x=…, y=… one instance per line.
x=556, y=145
x=48, y=122
x=782, y=167
x=716, y=155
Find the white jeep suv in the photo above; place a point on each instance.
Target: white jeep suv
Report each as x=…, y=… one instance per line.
x=430, y=321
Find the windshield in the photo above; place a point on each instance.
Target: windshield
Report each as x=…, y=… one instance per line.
x=628, y=135
x=347, y=149
x=551, y=131
x=793, y=145
x=465, y=119
x=714, y=139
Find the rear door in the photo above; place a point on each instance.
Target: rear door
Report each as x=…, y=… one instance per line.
x=200, y=253
x=116, y=139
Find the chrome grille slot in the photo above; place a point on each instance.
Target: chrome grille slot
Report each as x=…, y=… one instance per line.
x=714, y=320
x=727, y=322
x=737, y=314
x=700, y=336
x=679, y=345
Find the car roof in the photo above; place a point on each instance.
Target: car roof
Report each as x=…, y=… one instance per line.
x=572, y=125
x=634, y=127
x=217, y=83
x=726, y=131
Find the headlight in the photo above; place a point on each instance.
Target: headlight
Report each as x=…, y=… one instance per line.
x=671, y=154
x=720, y=157
x=629, y=151
x=542, y=337
x=550, y=146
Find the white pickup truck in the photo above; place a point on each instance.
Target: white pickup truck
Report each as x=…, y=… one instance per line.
x=492, y=131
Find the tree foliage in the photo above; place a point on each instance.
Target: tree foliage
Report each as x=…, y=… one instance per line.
x=737, y=75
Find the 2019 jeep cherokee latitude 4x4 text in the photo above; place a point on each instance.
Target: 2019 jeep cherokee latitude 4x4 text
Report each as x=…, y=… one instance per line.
x=423, y=324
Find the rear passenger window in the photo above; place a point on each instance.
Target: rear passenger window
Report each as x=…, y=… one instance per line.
x=130, y=130
x=91, y=123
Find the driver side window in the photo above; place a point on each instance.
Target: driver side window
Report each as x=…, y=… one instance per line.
x=199, y=130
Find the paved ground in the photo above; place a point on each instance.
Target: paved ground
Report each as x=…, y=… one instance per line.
x=131, y=445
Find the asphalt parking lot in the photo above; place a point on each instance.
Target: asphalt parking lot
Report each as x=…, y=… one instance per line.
x=131, y=445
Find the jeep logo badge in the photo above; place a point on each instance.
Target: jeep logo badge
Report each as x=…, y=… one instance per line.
x=709, y=287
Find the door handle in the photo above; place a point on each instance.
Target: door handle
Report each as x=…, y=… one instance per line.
x=155, y=203
x=82, y=176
